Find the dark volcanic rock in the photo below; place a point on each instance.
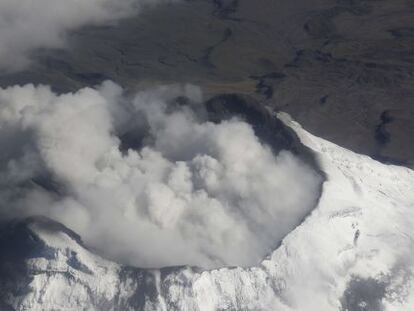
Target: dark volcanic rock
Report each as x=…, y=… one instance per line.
x=268, y=128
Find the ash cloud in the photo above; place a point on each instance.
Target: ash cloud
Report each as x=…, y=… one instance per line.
x=188, y=191
x=26, y=25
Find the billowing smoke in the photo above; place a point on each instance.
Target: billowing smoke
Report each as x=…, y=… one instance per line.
x=26, y=25
x=147, y=180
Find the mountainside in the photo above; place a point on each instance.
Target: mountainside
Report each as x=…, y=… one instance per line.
x=352, y=253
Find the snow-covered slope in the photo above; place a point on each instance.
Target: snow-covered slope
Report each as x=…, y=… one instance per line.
x=354, y=252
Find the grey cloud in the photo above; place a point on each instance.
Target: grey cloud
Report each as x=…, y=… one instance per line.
x=194, y=192
x=26, y=25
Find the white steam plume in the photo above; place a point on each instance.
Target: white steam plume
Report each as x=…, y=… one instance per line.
x=26, y=25
x=194, y=192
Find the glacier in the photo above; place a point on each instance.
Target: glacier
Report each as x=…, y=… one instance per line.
x=353, y=252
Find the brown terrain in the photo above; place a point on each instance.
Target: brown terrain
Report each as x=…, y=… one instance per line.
x=344, y=69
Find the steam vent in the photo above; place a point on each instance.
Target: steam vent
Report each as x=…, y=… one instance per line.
x=206, y=155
